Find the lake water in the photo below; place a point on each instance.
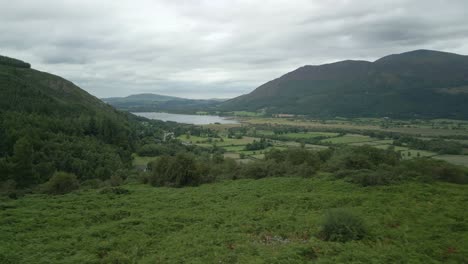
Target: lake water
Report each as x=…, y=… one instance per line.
x=188, y=119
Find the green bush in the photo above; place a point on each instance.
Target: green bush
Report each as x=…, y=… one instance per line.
x=342, y=225
x=115, y=180
x=362, y=157
x=114, y=190
x=382, y=175
x=92, y=184
x=61, y=183
x=116, y=257
x=427, y=170
x=178, y=171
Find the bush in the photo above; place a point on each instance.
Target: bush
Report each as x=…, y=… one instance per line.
x=114, y=190
x=383, y=175
x=92, y=184
x=115, y=180
x=116, y=257
x=427, y=169
x=363, y=157
x=342, y=225
x=181, y=170
x=61, y=183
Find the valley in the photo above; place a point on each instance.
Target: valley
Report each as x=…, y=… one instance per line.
x=83, y=182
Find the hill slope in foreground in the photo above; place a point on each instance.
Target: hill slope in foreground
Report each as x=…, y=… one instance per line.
x=48, y=124
x=422, y=83
x=274, y=220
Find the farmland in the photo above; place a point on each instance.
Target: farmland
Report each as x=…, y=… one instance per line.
x=321, y=134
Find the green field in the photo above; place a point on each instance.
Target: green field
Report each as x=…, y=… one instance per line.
x=420, y=129
x=348, y=138
x=455, y=159
x=273, y=220
x=305, y=135
x=141, y=161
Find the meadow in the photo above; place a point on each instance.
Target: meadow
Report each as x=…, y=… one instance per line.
x=272, y=220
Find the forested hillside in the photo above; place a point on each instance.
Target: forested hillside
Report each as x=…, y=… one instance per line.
x=417, y=84
x=48, y=124
x=156, y=102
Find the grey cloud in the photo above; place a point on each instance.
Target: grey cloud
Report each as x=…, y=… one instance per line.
x=220, y=48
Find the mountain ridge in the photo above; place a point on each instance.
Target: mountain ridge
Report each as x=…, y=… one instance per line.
x=148, y=102
x=405, y=85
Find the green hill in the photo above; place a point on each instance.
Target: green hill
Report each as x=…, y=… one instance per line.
x=155, y=102
x=48, y=124
x=422, y=83
x=273, y=220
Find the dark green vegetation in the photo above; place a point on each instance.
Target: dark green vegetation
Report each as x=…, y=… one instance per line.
x=422, y=83
x=272, y=220
x=72, y=168
x=48, y=124
x=7, y=61
x=363, y=165
x=156, y=102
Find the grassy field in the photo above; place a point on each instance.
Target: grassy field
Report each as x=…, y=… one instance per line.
x=422, y=129
x=455, y=159
x=141, y=161
x=273, y=220
x=293, y=136
x=399, y=126
x=349, y=138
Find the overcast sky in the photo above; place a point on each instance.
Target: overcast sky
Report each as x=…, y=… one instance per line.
x=216, y=48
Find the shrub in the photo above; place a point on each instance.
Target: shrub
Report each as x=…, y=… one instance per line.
x=61, y=183
x=427, y=169
x=92, y=184
x=383, y=175
x=115, y=180
x=114, y=190
x=342, y=225
x=362, y=157
x=181, y=170
x=116, y=257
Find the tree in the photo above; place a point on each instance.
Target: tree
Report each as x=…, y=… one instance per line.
x=22, y=162
x=178, y=171
x=61, y=183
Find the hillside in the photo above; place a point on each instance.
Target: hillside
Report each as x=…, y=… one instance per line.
x=48, y=124
x=156, y=102
x=274, y=220
x=422, y=83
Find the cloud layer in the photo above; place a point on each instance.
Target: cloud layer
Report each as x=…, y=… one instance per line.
x=224, y=48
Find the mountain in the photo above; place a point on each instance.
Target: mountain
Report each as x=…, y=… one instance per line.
x=48, y=124
x=154, y=102
x=421, y=83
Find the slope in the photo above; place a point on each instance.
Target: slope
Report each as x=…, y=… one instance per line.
x=272, y=220
x=422, y=83
x=47, y=124
x=156, y=102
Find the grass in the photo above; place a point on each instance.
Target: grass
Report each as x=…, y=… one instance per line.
x=422, y=129
x=141, y=161
x=246, y=113
x=272, y=220
x=348, y=138
x=226, y=141
x=455, y=159
x=305, y=135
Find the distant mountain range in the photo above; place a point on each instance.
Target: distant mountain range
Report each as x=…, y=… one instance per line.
x=154, y=102
x=421, y=83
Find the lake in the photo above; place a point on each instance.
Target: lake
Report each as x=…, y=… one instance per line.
x=188, y=119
